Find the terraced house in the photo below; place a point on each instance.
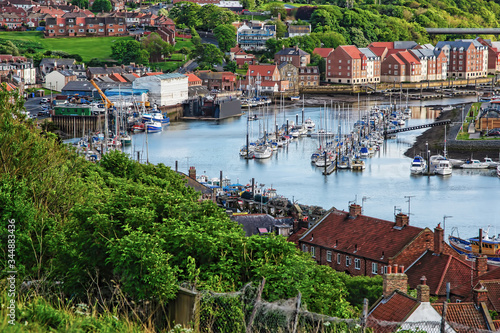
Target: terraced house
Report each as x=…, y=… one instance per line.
x=76, y=25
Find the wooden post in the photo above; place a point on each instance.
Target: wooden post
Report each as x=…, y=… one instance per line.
x=364, y=315
x=257, y=300
x=443, y=318
x=296, y=320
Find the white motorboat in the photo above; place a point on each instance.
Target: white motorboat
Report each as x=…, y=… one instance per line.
x=440, y=165
x=498, y=171
x=474, y=164
x=321, y=161
x=418, y=165
x=309, y=124
x=490, y=162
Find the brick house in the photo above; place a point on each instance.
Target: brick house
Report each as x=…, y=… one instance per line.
x=292, y=55
x=396, y=310
x=24, y=4
x=309, y=76
x=167, y=34
x=261, y=76
x=393, y=69
x=11, y=20
x=467, y=58
x=193, y=80
x=493, y=54
x=324, y=52
x=77, y=24
x=289, y=73
x=346, y=64
x=241, y=57
x=225, y=81
x=360, y=245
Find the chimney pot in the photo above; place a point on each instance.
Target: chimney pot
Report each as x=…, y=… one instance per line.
x=423, y=280
x=438, y=239
x=389, y=269
x=480, y=295
x=423, y=290
x=402, y=269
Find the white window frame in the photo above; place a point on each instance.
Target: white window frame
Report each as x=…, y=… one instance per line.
x=347, y=261
x=357, y=263
x=339, y=257
x=313, y=251
x=374, y=268
x=329, y=256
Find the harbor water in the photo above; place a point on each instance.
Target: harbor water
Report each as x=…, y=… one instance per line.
x=468, y=199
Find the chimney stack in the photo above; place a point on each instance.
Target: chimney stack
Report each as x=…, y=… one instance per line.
x=192, y=172
x=354, y=210
x=481, y=266
x=401, y=220
x=395, y=281
x=423, y=290
x=438, y=239
x=480, y=295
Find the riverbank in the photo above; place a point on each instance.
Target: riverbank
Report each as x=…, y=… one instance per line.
x=459, y=149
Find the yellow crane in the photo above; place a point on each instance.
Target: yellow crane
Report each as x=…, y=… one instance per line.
x=108, y=105
x=104, y=97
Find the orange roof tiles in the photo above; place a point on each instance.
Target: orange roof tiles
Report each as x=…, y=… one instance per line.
x=352, y=51
x=408, y=56
x=395, y=308
x=323, y=51
x=493, y=287
x=263, y=70
x=153, y=73
x=192, y=78
x=388, y=45
x=374, y=238
x=463, y=316
x=117, y=77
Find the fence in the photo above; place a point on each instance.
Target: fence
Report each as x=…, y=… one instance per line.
x=245, y=311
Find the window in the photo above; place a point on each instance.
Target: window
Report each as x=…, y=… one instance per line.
x=91, y=25
x=395, y=72
x=357, y=263
x=110, y=25
x=383, y=270
x=81, y=30
x=313, y=251
x=348, y=61
x=61, y=25
x=338, y=258
x=101, y=24
x=61, y=30
x=304, y=248
x=101, y=30
x=347, y=261
x=328, y=60
x=111, y=30
x=390, y=65
x=340, y=61
x=395, y=66
x=71, y=31
x=120, y=30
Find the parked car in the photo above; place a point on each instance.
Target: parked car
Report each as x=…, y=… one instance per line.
x=45, y=100
x=43, y=113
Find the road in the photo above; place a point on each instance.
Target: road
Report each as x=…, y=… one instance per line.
x=33, y=106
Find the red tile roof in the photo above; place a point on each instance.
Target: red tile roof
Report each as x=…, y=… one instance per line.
x=117, y=77
x=439, y=270
x=235, y=49
x=466, y=288
x=463, y=316
x=352, y=51
x=323, y=51
x=371, y=237
x=408, y=57
x=192, y=78
x=493, y=287
x=379, y=51
x=395, y=308
x=388, y=45
x=263, y=70
x=153, y=73
x=294, y=238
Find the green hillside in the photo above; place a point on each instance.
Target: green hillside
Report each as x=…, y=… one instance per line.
x=87, y=48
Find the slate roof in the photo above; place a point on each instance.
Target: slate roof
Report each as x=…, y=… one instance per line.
x=87, y=86
x=405, y=45
x=291, y=51
x=59, y=62
x=465, y=43
x=373, y=238
x=438, y=269
x=323, y=51
x=463, y=316
x=255, y=224
x=368, y=53
x=423, y=53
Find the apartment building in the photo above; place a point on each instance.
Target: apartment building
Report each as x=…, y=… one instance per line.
x=467, y=58
x=346, y=64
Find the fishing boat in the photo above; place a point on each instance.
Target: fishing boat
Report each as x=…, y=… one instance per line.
x=138, y=128
x=146, y=117
x=478, y=246
x=295, y=98
x=418, y=165
x=159, y=117
x=125, y=139
x=153, y=126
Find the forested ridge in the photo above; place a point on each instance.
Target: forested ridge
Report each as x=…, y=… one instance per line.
x=85, y=231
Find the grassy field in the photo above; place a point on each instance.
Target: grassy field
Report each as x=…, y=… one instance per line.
x=86, y=47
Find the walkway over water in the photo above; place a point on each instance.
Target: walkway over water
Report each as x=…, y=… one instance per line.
x=463, y=31
x=411, y=128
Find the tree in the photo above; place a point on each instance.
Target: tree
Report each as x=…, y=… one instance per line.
x=127, y=51
x=7, y=47
x=231, y=66
x=248, y=4
x=208, y=55
x=281, y=29
x=226, y=36
x=102, y=6
x=277, y=8
x=186, y=13
x=156, y=47
x=163, y=12
x=83, y=4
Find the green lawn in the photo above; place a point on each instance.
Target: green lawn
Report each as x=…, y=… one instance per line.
x=86, y=47
x=183, y=42
x=167, y=66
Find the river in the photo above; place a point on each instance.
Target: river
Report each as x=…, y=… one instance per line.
x=468, y=199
